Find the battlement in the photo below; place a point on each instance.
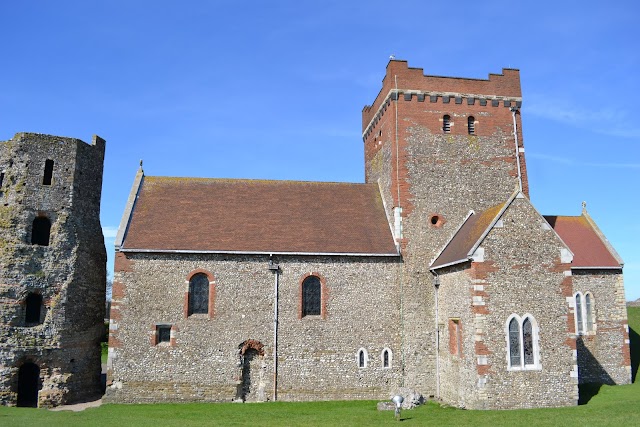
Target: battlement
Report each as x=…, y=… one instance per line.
x=19, y=137
x=402, y=79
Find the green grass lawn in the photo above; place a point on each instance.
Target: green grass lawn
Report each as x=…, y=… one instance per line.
x=611, y=406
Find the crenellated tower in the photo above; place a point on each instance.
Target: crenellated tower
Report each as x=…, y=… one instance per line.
x=52, y=269
x=439, y=147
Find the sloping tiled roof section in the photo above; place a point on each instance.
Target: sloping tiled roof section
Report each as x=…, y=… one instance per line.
x=230, y=215
x=588, y=248
x=457, y=250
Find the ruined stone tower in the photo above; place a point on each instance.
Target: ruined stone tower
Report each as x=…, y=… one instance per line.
x=438, y=147
x=52, y=269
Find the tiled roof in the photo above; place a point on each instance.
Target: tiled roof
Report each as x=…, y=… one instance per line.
x=467, y=236
x=584, y=241
x=230, y=215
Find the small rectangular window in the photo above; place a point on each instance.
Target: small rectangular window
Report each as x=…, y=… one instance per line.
x=163, y=334
x=1, y=178
x=48, y=172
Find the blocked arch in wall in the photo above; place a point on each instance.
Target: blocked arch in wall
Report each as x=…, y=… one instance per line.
x=323, y=295
x=192, y=277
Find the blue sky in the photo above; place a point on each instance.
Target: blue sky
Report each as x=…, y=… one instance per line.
x=275, y=89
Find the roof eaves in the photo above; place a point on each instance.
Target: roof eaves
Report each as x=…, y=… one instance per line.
x=449, y=264
x=190, y=251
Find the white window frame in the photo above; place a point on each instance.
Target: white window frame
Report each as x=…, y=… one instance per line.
x=366, y=357
x=535, y=331
x=582, y=326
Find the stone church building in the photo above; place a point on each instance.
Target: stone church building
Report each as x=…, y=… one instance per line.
x=436, y=274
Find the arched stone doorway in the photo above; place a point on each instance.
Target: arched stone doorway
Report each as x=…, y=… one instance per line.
x=28, y=385
x=251, y=385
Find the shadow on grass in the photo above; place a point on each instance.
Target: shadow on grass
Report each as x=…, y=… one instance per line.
x=634, y=350
x=587, y=391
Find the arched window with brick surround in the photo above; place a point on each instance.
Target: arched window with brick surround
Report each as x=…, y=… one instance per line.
x=199, y=298
x=312, y=295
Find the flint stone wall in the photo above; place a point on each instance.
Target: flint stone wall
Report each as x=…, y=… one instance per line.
x=317, y=357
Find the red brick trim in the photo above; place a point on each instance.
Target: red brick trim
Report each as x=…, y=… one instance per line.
x=212, y=292
x=324, y=294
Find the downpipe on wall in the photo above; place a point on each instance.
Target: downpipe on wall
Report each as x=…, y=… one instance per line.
x=275, y=268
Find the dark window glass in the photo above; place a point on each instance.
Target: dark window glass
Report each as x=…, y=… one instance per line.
x=48, y=172
x=40, y=231
x=311, y=296
x=527, y=341
x=385, y=359
x=164, y=334
x=446, y=123
x=199, y=294
x=514, y=342
x=471, y=125
x=33, y=308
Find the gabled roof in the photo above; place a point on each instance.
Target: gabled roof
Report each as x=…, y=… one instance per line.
x=589, y=246
x=468, y=237
x=255, y=216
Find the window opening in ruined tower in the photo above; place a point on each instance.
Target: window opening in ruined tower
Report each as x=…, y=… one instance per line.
x=514, y=342
x=588, y=312
x=579, y=325
x=471, y=125
x=1, y=178
x=33, y=307
x=40, y=231
x=385, y=359
x=28, y=385
x=48, y=172
x=199, y=294
x=311, y=296
x=446, y=123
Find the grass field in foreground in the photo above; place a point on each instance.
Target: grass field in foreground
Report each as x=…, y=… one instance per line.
x=612, y=406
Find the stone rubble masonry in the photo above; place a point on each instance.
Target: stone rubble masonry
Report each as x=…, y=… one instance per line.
x=427, y=172
x=69, y=273
x=317, y=355
x=373, y=303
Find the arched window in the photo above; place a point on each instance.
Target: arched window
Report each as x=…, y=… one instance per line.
x=471, y=125
x=48, y=172
x=33, y=308
x=584, y=312
x=579, y=319
x=40, y=231
x=363, y=358
x=588, y=312
x=446, y=123
x=311, y=296
x=198, y=294
x=514, y=342
x=522, y=343
x=386, y=358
